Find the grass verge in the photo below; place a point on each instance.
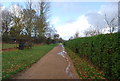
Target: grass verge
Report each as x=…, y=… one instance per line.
x=6, y=46
x=16, y=61
x=84, y=69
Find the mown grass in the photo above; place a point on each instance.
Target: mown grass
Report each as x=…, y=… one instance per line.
x=6, y=45
x=15, y=61
x=84, y=69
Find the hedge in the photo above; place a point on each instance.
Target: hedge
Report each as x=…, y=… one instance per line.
x=103, y=51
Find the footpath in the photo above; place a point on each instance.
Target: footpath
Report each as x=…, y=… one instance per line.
x=56, y=64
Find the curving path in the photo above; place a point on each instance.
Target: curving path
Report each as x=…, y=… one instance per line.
x=54, y=65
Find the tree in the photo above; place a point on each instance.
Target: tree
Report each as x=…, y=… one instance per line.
x=28, y=23
x=16, y=22
x=60, y=40
x=29, y=20
x=76, y=35
x=111, y=23
x=92, y=31
x=43, y=9
x=71, y=38
x=29, y=15
x=50, y=32
x=41, y=26
x=56, y=36
x=6, y=21
x=110, y=16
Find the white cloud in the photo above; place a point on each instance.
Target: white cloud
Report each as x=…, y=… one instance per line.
x=2, y=8
x=84, y=22
x=69, y=29
x=96, y=19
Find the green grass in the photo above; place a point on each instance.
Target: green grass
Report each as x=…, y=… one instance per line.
x=84, y=69
x=6, y=45
x=15, y=61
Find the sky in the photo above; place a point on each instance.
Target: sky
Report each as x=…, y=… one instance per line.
x=71, y=17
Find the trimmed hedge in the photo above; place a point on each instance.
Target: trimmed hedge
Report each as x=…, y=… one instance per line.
x=102, y=50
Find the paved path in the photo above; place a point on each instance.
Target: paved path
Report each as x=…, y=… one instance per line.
x=54, y=65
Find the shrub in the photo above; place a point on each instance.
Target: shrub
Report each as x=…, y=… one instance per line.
x=102, y=50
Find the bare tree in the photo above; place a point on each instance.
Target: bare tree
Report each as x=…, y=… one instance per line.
x=6, y=20
x=29, y=14
x=92, y=31
x=16, y=22
x=43, y=9
x=110, y=23
x=111, y=18
x=71, y=38
x=76, y=35
x=50, y=32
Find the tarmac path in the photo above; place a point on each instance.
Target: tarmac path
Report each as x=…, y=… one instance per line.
x=56, y=64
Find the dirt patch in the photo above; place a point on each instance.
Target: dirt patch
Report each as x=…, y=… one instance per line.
x=9, y=49
x=13, y=49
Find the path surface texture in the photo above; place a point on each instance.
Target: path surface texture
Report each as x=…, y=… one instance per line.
x=56, y=64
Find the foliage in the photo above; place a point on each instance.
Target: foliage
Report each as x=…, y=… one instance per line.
x=84, y=69
x=102, y=50
x=30, y=24
x=15, y=61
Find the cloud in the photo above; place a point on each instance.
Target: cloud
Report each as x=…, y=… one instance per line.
x=110, y=10
x=85, y=21
x=69, y=29
x=2, y=8
x=96, y=19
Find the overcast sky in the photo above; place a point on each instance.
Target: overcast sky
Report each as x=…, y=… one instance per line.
x=71, y=17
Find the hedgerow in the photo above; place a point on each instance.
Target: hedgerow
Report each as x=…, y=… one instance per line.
x=101, y=50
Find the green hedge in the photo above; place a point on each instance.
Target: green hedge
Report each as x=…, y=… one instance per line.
x=102, y=50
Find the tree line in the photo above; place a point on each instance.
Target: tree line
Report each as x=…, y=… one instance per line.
x=31, y=24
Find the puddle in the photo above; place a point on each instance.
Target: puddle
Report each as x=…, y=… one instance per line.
x=63, y=53
x=68, y=71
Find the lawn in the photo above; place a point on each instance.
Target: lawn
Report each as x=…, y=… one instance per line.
x=6, y=45
x=15, y=61
x=84, y=69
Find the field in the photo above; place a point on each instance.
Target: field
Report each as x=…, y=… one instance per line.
x=101, y=50
x=84, y=69
x=15, y=61
x=6, y=46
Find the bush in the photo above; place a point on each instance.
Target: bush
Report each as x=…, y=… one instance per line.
x=21, y=45
x=25, y=44
x=102, y=50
